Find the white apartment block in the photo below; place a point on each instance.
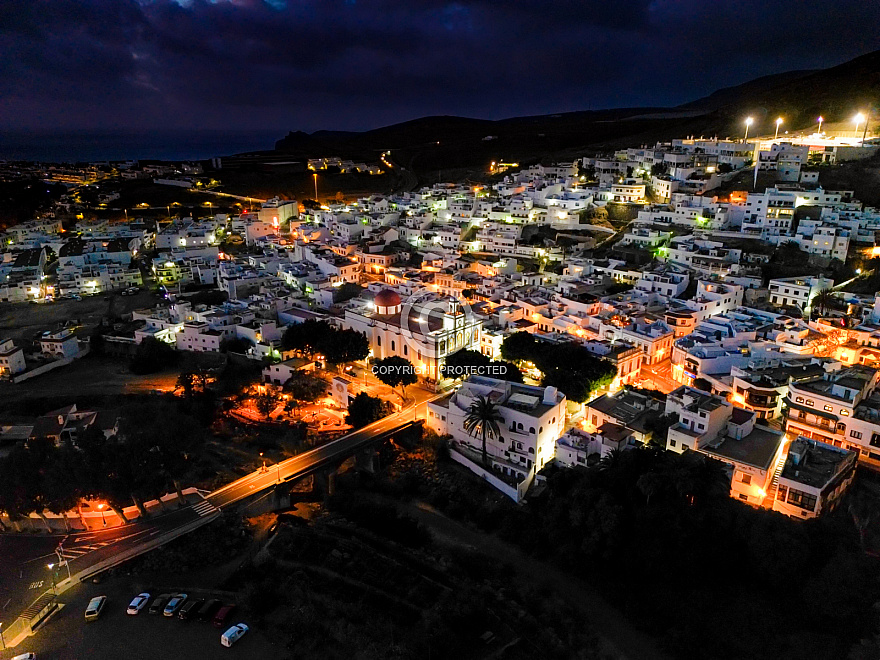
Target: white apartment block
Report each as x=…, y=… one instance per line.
x=797, y=291
x=532, y=418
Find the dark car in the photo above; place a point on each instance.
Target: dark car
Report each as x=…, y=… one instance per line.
x=159, y=603
x=223, y=615
x=190, y=609
x=206, y=611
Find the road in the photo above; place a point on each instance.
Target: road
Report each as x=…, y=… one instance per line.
x=25, y=558
x=311, y=461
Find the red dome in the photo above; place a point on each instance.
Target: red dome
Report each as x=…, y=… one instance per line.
x=387, y=298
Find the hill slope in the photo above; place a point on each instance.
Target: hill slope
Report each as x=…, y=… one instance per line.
x=430, y=144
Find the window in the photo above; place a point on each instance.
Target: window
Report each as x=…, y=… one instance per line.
x=781, y=493
x=875, y=439
x=379, y=341
x=672, y=443
x=829, y=408
x=809, y=402
x=844, y=412
x=799, y=399
x=405, y=349
x=855, y=434
x=746, y=479
x=392, y=345
x=801, y=499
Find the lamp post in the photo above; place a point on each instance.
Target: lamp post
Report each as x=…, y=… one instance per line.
x=52, y=568
x=263, y=469
x=749, y=121
x=101, y=509
x=2, y=641
x=315, y=177
x=858, y=119
x=820, y=120
x=778, y=124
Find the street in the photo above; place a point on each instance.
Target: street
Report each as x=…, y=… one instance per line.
x=25, y=558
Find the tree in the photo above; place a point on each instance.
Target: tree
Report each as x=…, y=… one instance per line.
x=305, y=388
x=265, y=403
x=306, y=338
x=342, y=346
x=725, y=168
x=365, y=409
x=153, y=355
x=504, y=370
x=463, y=362
x=519, y=347
x=573, y=370
x=482, y=420
x=823, y=301
x=658, y=169
x=236, y=345
x=396, y=371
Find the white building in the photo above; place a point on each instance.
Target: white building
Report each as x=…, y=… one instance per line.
x=532, y=418
x=11, y=359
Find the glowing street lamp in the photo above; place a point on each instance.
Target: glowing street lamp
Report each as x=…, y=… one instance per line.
x=858, y=119
x=315, y=175
x=778, y=124
x=54, y=588
x=820, y=120
x=749, y=122
x=101, y=509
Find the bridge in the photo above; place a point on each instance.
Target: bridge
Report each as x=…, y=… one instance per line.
x=323, y=460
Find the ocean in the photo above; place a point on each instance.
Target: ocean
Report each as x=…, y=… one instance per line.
x=67, y=147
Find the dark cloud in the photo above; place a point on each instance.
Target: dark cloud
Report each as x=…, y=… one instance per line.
x=354, y=64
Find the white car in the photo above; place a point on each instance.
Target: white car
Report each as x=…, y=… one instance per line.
x=140, y=602
x=232, y=635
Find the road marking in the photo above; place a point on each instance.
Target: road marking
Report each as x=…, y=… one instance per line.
x=204, y=508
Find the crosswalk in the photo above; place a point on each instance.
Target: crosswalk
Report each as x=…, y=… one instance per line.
x=80, y=550
x=204, y=508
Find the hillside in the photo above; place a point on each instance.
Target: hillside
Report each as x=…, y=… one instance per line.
x=431, y=144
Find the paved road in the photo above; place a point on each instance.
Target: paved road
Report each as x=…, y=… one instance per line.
x=309, y=462
x=25, y=558
x=24, y=571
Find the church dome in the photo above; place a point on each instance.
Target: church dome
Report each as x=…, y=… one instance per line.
x=387, y=298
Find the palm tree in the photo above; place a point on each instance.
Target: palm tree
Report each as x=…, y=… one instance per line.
x=482, y=420
x=823, y=301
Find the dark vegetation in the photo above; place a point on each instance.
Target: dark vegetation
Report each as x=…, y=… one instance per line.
x=569, y=367
x=658, y=534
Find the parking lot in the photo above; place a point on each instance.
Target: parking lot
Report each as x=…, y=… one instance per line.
x=67, y=636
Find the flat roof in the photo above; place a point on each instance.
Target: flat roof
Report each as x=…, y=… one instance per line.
x=757, y=449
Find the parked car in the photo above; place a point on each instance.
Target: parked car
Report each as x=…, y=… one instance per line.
x=223, y=615
x=26, y=656
x=95, y=607
x=207, y=611
x=159, y=603
x=234, y=634
x=190, y=608
x=174, y=604
x=140, y=602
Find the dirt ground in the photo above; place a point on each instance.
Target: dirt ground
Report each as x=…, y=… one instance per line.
x=22, y=321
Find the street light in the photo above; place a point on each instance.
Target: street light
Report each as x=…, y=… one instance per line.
x=778, y=124
x=749, y=122
x=101, y=509
x=2, y=641
x=820, y=120
x=858, y=119
x=264, y=463
x=315, y=176
x=51, y=568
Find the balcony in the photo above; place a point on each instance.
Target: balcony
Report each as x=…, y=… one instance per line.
x=823, y=425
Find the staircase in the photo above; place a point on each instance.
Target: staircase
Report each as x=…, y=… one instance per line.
x=774, y=483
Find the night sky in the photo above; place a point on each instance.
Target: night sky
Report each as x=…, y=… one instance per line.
x=358, y=64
